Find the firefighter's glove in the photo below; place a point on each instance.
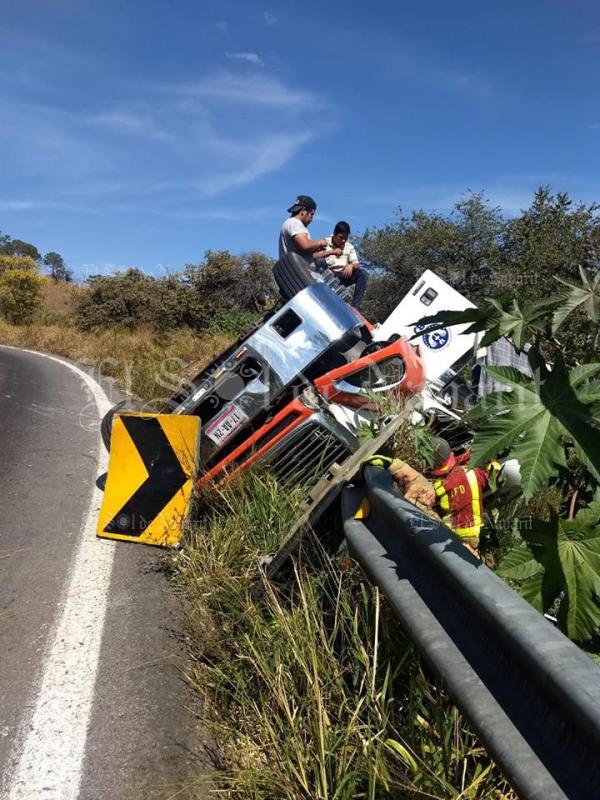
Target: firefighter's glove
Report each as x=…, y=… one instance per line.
x=378, y=461
x=374, y=461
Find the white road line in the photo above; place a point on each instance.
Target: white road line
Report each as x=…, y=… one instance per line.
x=52, y=748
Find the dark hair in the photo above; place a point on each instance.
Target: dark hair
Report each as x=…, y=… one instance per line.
x=342, y=227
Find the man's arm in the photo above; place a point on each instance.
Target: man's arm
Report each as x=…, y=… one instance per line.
x=309, y=246
x=334, y=251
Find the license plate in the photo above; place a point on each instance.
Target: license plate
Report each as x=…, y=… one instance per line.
x=229, y=420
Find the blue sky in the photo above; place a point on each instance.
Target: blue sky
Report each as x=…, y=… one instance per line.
x=142, y=134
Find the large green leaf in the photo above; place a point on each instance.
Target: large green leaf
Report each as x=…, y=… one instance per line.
x=579, y=554
x=535, y=564
x=588, y=391
x=520, y=564
x=585, y=296
x=536, y=418
x=561, y=559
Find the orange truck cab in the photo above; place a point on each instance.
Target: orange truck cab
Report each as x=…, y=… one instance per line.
x=268, y=397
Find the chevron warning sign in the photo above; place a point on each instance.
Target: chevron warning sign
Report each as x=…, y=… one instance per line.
x=150, y=472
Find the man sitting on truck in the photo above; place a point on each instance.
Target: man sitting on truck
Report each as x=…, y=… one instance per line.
x=340, y=256
x=293, y=237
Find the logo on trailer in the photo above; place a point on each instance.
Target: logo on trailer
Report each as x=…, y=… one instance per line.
x=434, y=340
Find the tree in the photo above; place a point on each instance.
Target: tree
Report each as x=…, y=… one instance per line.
x=551, y=237
x=465, y=249
x=229, y=291
x=129, y=299
x=58, y=269
x=480, y=256
x=17, y=247
x=223, y=293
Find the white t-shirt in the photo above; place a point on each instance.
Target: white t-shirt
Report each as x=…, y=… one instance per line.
x=348, y=256
x=291, y=228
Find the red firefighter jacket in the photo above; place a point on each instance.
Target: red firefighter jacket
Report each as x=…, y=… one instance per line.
x=460, y=496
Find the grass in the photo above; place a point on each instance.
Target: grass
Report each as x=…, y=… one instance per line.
x=144, y=364
x=60, y=298
x=315, y=693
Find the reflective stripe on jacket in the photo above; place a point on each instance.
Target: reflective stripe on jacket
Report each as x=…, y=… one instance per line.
x=459, y=495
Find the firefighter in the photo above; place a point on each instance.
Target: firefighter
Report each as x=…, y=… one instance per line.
x=453, y=491
x=459, y=493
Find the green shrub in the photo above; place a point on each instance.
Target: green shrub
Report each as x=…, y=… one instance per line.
x=46, y=316
x=381, y=297
x=227, y=283
x=20, y=292
x=9, y=262
x=132, y=298
x=222, y=289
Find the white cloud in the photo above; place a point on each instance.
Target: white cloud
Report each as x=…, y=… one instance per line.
x=39, y=139
x=91, y=172
x=126, y=122
x=423, y=67
x=269, y=18
x=18, y=205
x=510, y=192
x=251, y=58
x=258, y=90
x=101, y=268
x=257, y=159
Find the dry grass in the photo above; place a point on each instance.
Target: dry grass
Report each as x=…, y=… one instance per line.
x=146, y=365
x=60, y=298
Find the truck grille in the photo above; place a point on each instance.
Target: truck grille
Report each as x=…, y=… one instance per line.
x=308, y=456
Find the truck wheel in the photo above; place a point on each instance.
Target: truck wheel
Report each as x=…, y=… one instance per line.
x=293, y=273
x=106, y=424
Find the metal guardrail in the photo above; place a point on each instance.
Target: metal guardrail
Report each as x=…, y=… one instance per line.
x=530, y=694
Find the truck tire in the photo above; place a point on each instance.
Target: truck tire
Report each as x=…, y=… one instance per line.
x=107, y=421
x=293, y=273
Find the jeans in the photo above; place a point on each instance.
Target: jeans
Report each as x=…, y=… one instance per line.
x=358, y=279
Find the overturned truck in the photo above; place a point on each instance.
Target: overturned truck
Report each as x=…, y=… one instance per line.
x=294, y=392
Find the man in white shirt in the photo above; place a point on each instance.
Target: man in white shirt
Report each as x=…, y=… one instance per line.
x=340, y=256
x=294, y=237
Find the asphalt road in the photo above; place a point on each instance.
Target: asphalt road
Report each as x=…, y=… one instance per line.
x=92, y=700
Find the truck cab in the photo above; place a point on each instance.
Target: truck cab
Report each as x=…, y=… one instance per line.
x=314, y=332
